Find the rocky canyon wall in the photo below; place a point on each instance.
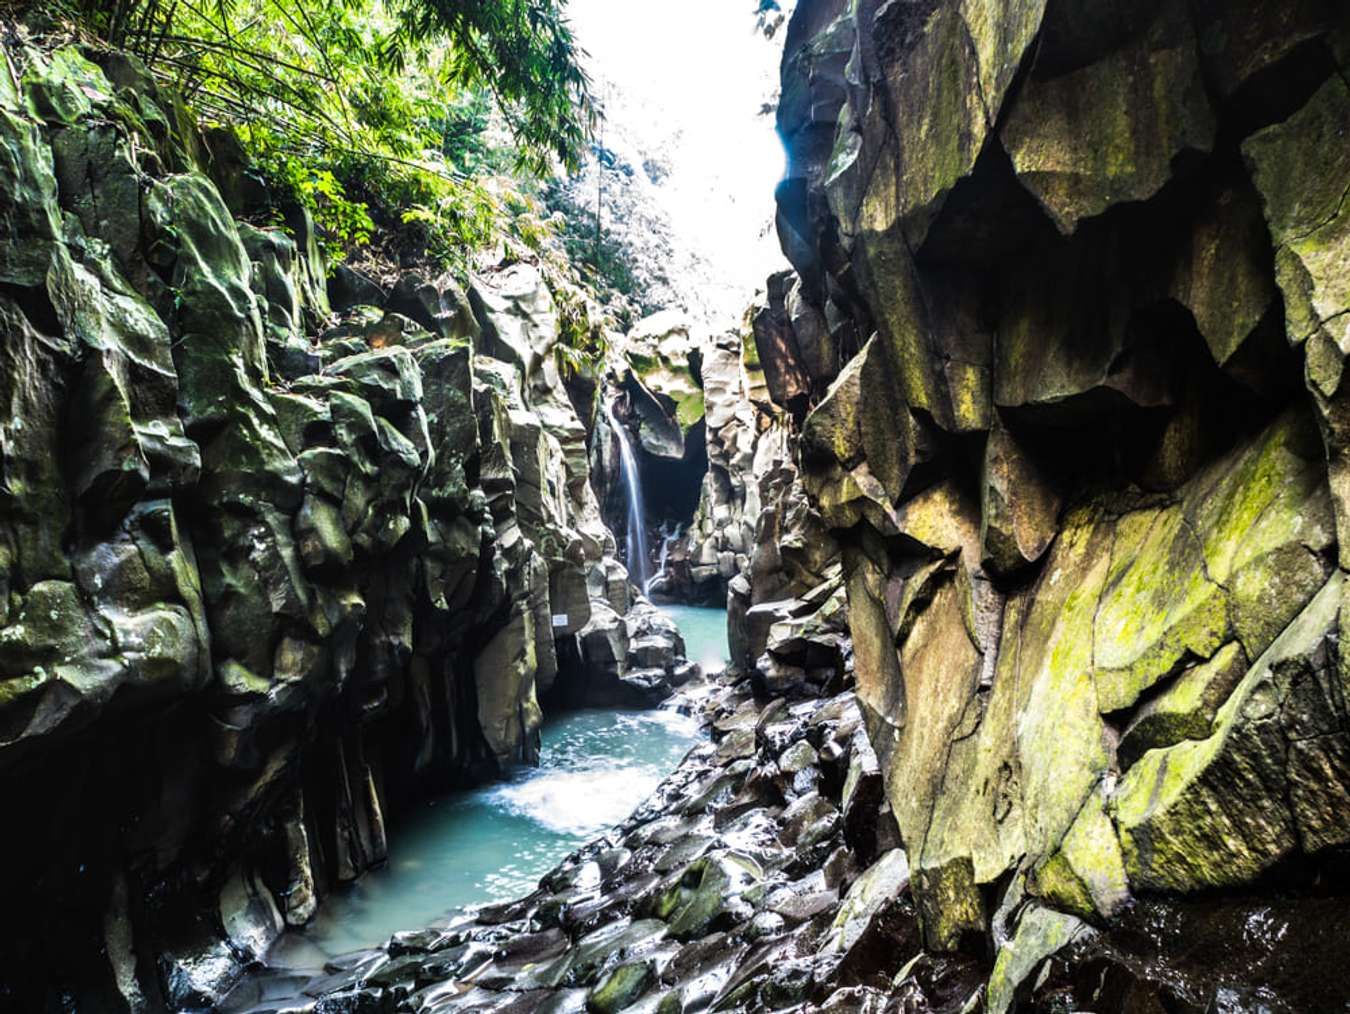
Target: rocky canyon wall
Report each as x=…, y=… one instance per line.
x=1040, y=449
x=1060, y=371
x=275, y=557
x=751, y=540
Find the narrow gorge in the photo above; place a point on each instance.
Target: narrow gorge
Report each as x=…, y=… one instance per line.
x=419, y=596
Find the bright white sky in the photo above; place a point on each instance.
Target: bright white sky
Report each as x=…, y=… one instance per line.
x=688, y=80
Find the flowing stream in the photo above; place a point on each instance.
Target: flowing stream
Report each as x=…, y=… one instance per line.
x=494, y=843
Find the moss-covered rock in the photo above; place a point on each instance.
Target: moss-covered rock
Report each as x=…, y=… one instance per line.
x=274, y=279
x=1158, y=606
x=1299, y=166
x=706, y=893
x=1218, y=811
x=1041, y=932
x=1118, y=335
x=1086, y=874
x=951, y=65
x=63, y=87
x=1110, y=132
x=665, y=356
x=254, y=543
x=1186, y=709
x=621, y=987
x=951, y=910
x=28, y=208
x=856, y=456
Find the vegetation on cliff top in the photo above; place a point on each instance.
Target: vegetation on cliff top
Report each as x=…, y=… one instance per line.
x=430, y=119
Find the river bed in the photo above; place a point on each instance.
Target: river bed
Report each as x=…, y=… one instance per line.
x=493, y=843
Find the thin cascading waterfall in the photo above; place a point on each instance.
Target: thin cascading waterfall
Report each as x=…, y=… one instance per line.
x=637, y=529
x=669, y=536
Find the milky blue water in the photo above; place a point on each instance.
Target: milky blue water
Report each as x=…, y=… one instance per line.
x=494, y=843
x=705, y=634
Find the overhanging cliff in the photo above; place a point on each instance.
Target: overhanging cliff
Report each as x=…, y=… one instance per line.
x=1064, y=350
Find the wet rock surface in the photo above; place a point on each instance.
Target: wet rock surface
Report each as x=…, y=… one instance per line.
x=739, y=884
x=767, y=873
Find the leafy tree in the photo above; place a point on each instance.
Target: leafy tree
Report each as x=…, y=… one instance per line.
x=524, y=51
x=381, y=106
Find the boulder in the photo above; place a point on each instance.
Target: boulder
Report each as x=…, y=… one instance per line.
x=666, y=358
x=1019, y=513
x=440, y=307
x=706, y=893
x=1269, y=780
x=879, y=885
x=348, y=287
x=1041, y=932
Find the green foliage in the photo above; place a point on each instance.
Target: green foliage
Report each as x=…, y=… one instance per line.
x=388, y=111
x=344, y=223
x=524, y=52
x=581, y=337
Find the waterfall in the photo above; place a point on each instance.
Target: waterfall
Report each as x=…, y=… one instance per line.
x=637, y=530
x=670, y=534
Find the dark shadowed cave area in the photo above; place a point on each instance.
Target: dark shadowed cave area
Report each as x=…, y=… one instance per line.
x=673, y=485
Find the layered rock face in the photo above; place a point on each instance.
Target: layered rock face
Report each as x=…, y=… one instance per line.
x=721, y=534
x=754, y=541
x=785, y=619
x=1063, y=359
x=262, y=577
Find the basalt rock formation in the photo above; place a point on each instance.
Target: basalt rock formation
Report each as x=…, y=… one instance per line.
x=276, y=556
x=1063, y=358
x=1029, y=487
x=1037, y=459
